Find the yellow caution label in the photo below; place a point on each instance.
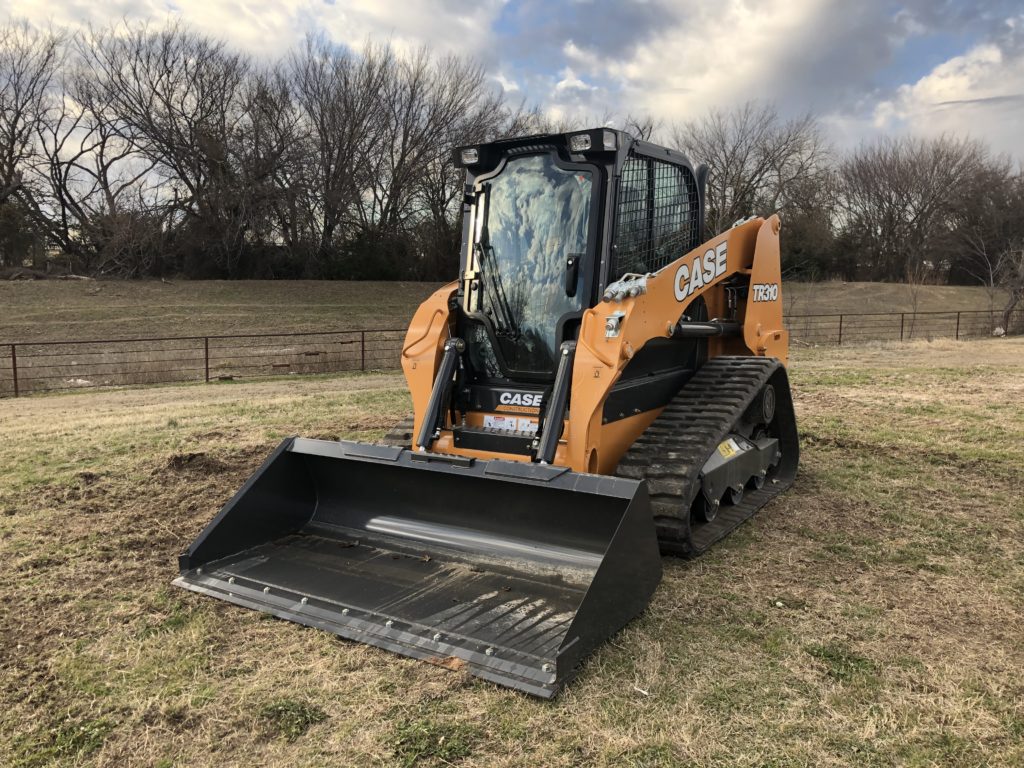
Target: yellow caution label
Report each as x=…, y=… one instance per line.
x=728, y=449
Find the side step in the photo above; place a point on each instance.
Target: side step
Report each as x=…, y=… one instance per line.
x=673, y=451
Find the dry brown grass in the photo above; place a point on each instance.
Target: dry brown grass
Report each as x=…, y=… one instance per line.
x=872, y=616
x=60, y=310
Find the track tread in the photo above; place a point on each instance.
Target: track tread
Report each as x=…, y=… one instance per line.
x=673, y=450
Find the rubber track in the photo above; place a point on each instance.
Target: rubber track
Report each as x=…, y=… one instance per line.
x=672, y=451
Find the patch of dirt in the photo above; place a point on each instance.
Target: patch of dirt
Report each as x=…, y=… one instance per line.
x=199, y=462
x=213, y=434
x=454, y=663
x=88, y=478
x=88, y=494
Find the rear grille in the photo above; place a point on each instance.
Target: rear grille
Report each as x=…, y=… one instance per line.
x=657, y=218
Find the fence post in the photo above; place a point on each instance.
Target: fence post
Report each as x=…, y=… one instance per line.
x=206, y=357
x=957, y=337
x=903, y=318
x=840, y=330
x=14, y=367
x=362, y=350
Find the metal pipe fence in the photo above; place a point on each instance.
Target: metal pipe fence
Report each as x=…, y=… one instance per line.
x=46, y=366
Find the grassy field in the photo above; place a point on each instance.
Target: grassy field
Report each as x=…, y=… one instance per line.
x=872, y=616
x=61, y=310
x=58, y=309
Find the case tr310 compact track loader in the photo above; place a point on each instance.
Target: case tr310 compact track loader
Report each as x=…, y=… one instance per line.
x=598, y=384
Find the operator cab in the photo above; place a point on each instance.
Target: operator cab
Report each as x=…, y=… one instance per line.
x=550, y=221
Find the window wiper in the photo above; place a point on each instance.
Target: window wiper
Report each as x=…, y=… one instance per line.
x=506, y=325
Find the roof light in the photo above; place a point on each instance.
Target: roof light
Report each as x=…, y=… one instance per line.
x=609, y=140
x=580, y=142
x=470, y=156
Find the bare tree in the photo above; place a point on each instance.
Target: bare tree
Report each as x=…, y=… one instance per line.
x=983, y=263
x=271, y=152
x=988, y=221
x=338, y=96
x=1011, y=278
x=29, y=61
x=210, y=123
x=430, y=105
x=897, y=198
x=915, y=278
x=425, y=101
x=439, y=191
x=756, y=159
x=642, y=127
x=90, y=191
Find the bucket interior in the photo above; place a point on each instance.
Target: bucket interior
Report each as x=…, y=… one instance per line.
x=445, y=563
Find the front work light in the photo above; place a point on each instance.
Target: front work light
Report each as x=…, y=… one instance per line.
x=609, y=140
x=580, y=142
x=470, y=156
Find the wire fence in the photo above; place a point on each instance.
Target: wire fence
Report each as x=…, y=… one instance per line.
x=848, y=328
x=47, y=366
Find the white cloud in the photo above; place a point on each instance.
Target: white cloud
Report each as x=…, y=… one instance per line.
x=979, y=93
x=717, y=56
x=580, y=57
x=705, y=56
x=967, y=77
x=271, y=27
x=449, y=27
x=824, y=56
x=570, y=82
x=507, y=85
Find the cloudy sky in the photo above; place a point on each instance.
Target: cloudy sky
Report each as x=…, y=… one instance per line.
x=864, y=66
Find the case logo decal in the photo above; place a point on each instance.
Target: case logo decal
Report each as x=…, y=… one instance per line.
x=520, y=398
x=701, y=271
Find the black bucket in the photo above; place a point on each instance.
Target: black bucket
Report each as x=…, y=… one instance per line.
x=511, y=571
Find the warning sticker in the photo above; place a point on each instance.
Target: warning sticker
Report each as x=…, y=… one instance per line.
x=528, y=425
x=506, y=423
x=728, y=449
x=510, y=423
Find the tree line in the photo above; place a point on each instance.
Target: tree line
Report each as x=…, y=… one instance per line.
x=136, y=151
x=140, y=151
